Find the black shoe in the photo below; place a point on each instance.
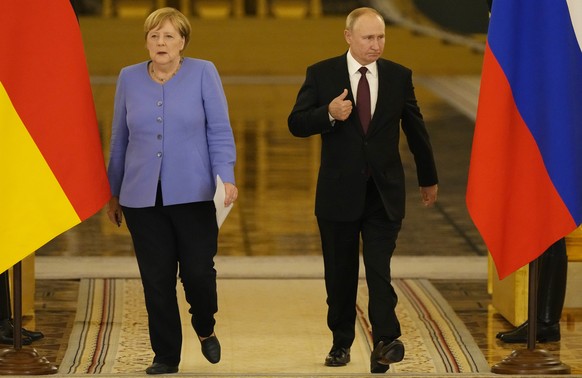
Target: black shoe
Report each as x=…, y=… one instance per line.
x=338, y=356
x=33, y=335
x=384, y=355
x=8, y=340
x=376, y=367
x=545, y=333
x=160, y=368
x=7, y=329
x=7, y=333
x=211, y=349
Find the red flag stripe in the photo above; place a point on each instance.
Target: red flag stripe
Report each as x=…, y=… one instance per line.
x=507, y=170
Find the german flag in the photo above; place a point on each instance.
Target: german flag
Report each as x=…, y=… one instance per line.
x=53, y=171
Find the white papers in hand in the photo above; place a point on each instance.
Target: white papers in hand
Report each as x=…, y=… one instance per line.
x=219, y=197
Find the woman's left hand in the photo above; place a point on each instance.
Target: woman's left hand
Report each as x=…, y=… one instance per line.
x=231, y=193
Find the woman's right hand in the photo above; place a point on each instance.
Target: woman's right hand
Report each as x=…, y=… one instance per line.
x=114, y=211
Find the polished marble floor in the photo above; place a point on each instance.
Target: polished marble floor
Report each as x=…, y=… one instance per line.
x=276, y=176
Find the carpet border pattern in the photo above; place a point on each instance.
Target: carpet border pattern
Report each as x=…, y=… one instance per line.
x=436, y=339
x=96, y=329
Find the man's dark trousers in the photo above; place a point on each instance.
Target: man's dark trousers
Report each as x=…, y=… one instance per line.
x=340, y=245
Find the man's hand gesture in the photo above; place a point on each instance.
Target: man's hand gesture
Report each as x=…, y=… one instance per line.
x=340, y=108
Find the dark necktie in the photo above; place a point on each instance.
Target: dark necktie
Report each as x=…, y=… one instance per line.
x=363, y=100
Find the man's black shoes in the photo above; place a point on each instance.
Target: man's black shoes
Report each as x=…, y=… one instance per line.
x=211, y=349
x=338, y=356
x=160, y=368
x=384, y=355
x=7, y=334
x=33, y=335
x=9, y=340
x=545, y=333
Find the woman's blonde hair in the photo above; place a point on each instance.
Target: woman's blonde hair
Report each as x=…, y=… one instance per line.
x=176, y=18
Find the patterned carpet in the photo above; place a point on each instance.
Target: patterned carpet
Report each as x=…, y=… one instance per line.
x=266, y=327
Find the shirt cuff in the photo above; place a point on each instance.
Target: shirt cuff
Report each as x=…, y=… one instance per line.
x=331, y=119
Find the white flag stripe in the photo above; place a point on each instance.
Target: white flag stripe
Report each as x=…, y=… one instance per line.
x=575, y=8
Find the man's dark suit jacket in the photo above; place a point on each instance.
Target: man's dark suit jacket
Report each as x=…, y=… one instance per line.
x=347, y=155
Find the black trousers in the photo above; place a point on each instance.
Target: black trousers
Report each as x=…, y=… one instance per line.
x=171, y=240
x=340, y=244
x=553, y=272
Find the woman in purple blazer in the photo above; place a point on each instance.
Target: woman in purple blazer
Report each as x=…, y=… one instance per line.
x=171, y=137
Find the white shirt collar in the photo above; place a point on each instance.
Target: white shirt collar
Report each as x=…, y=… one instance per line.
x=354, y=66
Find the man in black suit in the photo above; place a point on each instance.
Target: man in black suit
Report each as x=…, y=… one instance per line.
x=360, y=188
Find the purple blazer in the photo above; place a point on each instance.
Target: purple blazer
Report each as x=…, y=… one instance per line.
x=178, y=133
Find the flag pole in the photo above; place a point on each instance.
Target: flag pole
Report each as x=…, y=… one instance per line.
x=531, y=360
x=18, y=360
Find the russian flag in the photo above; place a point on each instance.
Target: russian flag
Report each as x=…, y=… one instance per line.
x=525, y=178
x=52, y=167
